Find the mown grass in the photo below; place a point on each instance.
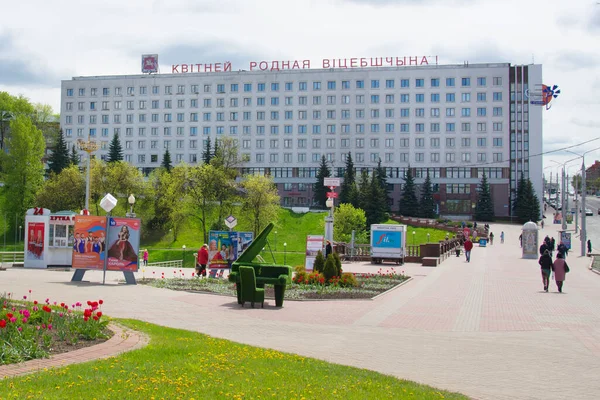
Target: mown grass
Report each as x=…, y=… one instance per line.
x=291, y=228
x=184, y=364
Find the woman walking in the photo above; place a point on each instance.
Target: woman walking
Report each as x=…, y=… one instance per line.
x=546, y=266
x=560, y=269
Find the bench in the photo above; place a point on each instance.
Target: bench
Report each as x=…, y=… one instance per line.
x=430, y=261
x=277, y=275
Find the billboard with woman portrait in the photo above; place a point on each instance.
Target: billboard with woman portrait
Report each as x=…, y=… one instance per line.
x=124, y=244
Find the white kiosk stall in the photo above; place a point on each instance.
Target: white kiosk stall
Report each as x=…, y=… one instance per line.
x=48, y=238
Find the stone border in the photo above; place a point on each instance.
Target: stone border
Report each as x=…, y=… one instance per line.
x=123, y=340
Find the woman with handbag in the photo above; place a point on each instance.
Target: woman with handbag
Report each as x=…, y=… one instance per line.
x=560, y=269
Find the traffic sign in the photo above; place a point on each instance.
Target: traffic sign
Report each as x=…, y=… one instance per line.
x=332, y=195
x=231, y=221
x=331, y=182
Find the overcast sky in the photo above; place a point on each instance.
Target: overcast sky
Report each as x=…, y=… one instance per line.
x=43, y=42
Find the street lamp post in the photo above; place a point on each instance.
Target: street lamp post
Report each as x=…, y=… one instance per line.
x=275, y=240
x=89, y=146
x=20, y=227
x=329, y=220
x=428, y=238
x=131, y=201
x=182, y=255
x=414, y=237
x=284, y=253
x=583, y=232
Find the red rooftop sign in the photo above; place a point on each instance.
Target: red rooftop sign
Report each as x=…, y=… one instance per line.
x=326, y=63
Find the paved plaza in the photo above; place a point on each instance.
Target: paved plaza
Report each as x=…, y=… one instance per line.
x=485, y=328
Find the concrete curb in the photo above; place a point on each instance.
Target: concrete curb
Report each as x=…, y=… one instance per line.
x=123, y=340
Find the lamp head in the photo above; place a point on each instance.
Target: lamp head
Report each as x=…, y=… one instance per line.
x=285, y=244
x=131, y=199
x=183, y=246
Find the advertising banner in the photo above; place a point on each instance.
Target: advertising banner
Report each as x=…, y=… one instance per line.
x=124, y=240
x=222, y=249
x=314, y=243
x=530, y=244
x=35, y=240
x=90, y=238
x=565, y=238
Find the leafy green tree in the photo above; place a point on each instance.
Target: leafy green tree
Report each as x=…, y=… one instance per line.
x=364, y=190
x=47, y=121
x=349, y=190
x=216, y=150
x=22, y=167
x=74, y=158
x=120, y=179
x=166, y=162
x=59, y=159
x=52, y=193
x=115, y=150
x=261, y=201
x=347, y=219
x=202, y=181
x=485, y=204
x=427, y=204
x=319, y=188
x=10, y=108
x=228, y=157
x=168, y=190
x=207, y=154
x=409, y=205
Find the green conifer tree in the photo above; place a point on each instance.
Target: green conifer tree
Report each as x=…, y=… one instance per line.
x=349, y=192
x=74, y=158
x=166, y=163
x=427, y=204
x=409, y=205
x=207, y=154
x=59, y=159
x=115, y=150
x=319, y=188
x=485, y=205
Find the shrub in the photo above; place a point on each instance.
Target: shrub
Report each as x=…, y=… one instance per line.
x=319, y=264
x=330, y=269
x=338, y=264
x=315, y=278
x=348, y=280
x=299, y=268
x=299, y=277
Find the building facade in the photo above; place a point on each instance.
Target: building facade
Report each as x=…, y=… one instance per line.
x=454, y=122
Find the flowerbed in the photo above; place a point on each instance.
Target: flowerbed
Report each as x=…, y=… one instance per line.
x=367, y=285
x=30, y=330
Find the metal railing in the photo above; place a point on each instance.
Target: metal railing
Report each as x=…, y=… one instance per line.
x=166, y=264
x=12, y=257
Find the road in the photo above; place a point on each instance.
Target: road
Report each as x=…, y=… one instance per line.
x=592, y=222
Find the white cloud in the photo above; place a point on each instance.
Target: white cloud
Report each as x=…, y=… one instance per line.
x=42, y=42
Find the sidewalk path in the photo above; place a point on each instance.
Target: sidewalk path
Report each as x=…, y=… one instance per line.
x=483, y=328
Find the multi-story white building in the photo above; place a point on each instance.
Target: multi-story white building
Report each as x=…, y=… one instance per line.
x=454, y=121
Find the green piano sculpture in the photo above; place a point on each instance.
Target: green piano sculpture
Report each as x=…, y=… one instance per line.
x=265, y=273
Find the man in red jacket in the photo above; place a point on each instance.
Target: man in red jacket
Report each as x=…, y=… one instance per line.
x=468, y=247
x=202, y=261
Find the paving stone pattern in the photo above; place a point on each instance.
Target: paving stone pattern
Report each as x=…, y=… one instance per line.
x=483, y=328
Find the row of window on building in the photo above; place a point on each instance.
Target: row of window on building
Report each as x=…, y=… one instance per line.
x=374, y=157
x=481, y=97
x=315, y=129
x=288, y=86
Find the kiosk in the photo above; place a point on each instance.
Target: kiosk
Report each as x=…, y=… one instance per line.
x=48, y=238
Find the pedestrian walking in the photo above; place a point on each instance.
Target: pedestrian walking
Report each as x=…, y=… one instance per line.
x=542, y=223
x=468, y=248
x=328, y=249
x=521, y=240
x=502, y=237
x=543, y=248
x=145, y=257
x=545, y=262
x=552, y=246
x=560, y=269
x=202, y=260
x=589, y=246
x=491, y=238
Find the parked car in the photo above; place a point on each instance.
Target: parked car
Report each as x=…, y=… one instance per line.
x=588, y=211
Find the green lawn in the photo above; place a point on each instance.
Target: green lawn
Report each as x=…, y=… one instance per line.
x=184, y=364
x=291, y=229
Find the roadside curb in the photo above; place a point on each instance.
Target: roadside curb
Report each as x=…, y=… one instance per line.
x=394, y=288
x=123, y=340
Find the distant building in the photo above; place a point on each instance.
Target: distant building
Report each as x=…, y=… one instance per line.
x=455, y=122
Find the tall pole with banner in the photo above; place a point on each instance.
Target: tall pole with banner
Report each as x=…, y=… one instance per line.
x=89, y=146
